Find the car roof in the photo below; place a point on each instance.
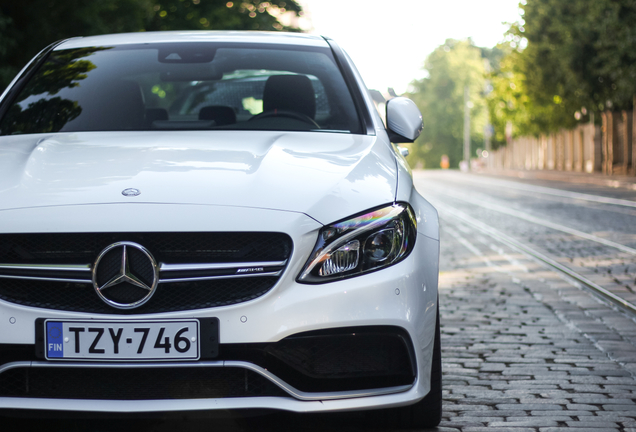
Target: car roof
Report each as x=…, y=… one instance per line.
x=283, y=38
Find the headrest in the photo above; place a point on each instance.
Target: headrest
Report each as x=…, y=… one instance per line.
x=222, y=115
x=291, y=93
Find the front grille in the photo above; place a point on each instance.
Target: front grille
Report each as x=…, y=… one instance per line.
x=135, y=383
x=172, y=247
x=21, y=254
x=169, y=297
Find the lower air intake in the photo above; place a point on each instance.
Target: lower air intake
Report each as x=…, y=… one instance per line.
x=135, y=383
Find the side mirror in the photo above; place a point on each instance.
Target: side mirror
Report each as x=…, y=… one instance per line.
x=404, y=120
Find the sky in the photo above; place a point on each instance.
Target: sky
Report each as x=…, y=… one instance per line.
x=389, y=40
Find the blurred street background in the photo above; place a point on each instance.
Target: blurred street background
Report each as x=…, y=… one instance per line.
x=534, y=101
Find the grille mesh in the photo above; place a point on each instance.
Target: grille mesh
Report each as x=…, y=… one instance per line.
x=135, y=383
x=343, y=359
x=174, y=248
x=168, y=297
x=344, y=362
x=343, y=356
x=125, y=293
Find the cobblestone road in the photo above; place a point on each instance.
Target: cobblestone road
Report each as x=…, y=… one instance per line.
x=529, y=217
x=526, y=350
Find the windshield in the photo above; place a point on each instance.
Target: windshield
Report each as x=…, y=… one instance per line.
x=194, y=86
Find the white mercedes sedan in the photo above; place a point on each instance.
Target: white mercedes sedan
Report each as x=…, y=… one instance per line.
x=195, y=221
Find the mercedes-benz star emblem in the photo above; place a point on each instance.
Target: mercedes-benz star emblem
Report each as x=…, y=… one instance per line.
x=130, y=192
x=125, y=275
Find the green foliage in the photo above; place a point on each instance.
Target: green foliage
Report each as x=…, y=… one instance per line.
x=616, y=56
x=566, y=60
x=7, y=43
x=578, y=57
x=26, y=27
x=61, y=71
x=48, y=115
x=511, y=102
x=440, y=97
x=33, y=25
x=220, y=14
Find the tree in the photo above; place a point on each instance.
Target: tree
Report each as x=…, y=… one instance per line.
x=579, y=54
x=7, y=44
x=220, y=15
x=566, y=60
x=440, y=97
x=26, y=27
x=29, y=26
x=510, y=102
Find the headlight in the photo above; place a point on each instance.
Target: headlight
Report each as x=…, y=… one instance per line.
x=373, y=240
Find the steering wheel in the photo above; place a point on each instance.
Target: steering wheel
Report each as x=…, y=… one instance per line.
x=289, y=114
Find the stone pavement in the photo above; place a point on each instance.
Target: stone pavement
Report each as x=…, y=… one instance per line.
x=526, y=350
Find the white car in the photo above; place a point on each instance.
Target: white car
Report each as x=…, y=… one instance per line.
x=212, y=220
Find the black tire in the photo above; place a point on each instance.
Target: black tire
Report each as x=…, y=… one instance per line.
x=427, y=413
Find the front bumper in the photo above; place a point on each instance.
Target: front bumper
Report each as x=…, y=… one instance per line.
x=360, y=401
x=403, y=296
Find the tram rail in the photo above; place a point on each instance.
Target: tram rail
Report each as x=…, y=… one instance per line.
x=591, y=286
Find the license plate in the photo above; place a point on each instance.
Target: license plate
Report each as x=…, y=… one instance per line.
x=122, y=341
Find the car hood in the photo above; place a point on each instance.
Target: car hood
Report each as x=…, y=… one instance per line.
x=327, y=176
